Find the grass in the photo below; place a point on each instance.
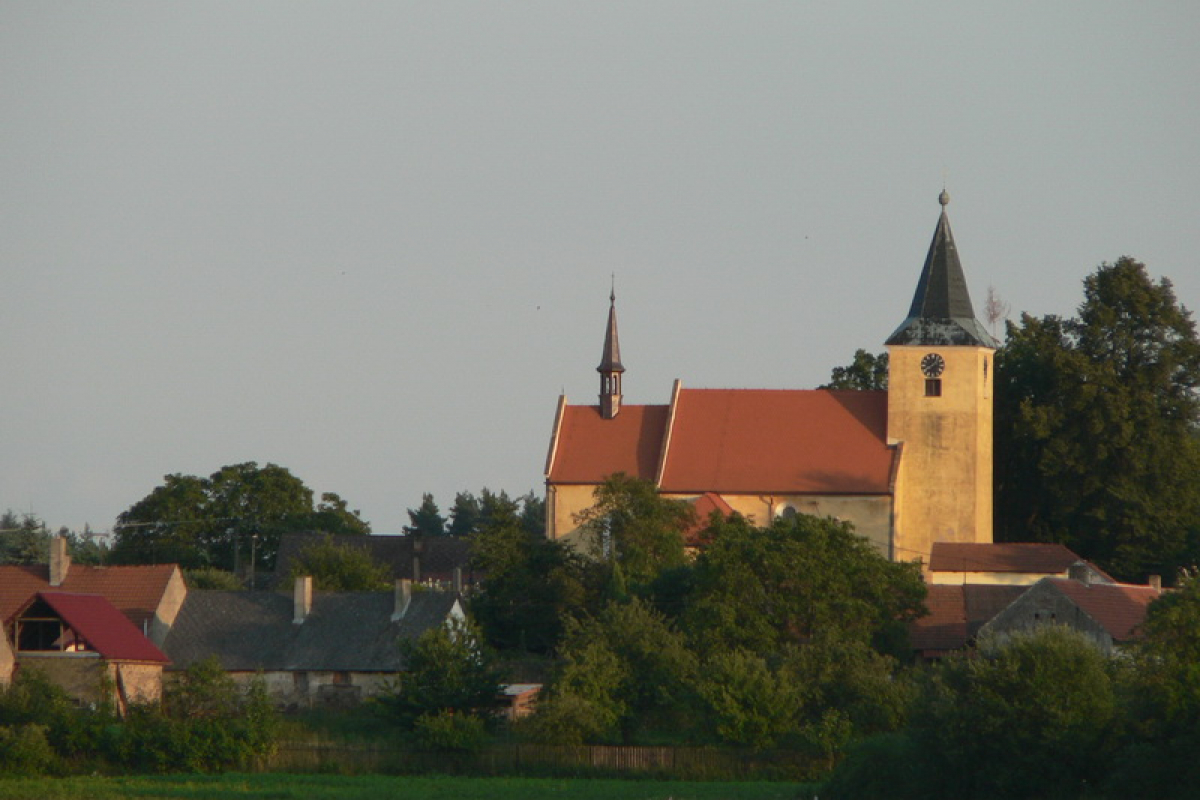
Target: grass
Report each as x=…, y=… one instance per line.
x=324, y=787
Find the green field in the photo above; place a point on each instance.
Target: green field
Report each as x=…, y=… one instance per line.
x=321, y=787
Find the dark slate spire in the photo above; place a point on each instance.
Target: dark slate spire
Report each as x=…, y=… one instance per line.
x=941, y=312
x=610, y=368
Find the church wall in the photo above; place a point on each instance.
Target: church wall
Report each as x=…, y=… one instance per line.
x=945, y=490
x=563, y=502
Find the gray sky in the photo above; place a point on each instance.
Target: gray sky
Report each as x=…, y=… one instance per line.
x=372, y=242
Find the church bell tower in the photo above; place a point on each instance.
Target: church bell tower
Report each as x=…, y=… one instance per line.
x=940, y=379
x=610, y=368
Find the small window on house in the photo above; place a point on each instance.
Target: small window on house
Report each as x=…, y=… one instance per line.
x=341, y=679
x=933, y=387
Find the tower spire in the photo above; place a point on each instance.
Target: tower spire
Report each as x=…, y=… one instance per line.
x=941, y=311
x=610, y=368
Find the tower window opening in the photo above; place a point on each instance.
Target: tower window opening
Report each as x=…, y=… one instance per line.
x=933, y=387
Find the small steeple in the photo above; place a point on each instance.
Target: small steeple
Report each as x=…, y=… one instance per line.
x=941, y=312
x=610, y=368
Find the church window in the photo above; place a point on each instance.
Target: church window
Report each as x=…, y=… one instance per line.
x=933, y=387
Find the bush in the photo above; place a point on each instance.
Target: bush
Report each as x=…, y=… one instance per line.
x=449, y=732
x=24, y=750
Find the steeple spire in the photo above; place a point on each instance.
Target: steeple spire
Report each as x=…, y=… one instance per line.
x=610, y=368
x=941, y=312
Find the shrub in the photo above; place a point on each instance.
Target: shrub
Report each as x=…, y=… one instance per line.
x=447, y=731
x=24, y=750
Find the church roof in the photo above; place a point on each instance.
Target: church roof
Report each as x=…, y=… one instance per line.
x=734, y=441
x=610, y=359
x=941, y=311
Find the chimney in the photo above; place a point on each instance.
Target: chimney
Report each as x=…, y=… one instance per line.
x=458, y=580
x=1155, y=582
x=60, y=562
x=1081, y=572
x=403, y=598
x=302, y=599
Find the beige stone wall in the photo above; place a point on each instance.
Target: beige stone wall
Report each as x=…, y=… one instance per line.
x=168, y=608
x=307, y=688
x=141, y=683
x=80, y=675
x=945, y=487
x=871, y=515
x=7, y=660
x=990, y=578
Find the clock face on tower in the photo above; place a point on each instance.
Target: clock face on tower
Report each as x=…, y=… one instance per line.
x=933, y=365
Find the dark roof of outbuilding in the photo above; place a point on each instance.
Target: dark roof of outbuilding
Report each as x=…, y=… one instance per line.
x=345, y=631
x=941, y=311
x=439, y=555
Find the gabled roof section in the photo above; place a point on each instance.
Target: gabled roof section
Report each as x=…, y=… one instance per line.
x=1050, y=559
x=101, y=625
x=136, y=591
x=346, y=631
x=941, y=311
x=705, y=506
x=818, y=441
x=588, y=448
x=956, y=613
x=1119, y=608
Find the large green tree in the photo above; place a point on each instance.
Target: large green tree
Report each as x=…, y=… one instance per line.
x=237, y=513
x=765, y=588
x=1096, y=426
x=865, y=372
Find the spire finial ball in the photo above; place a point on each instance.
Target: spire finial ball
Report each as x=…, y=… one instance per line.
x=944, y=198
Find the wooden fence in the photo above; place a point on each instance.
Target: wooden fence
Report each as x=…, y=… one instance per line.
x=696, y=763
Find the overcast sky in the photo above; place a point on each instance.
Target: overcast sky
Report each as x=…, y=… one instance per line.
x=372, y=242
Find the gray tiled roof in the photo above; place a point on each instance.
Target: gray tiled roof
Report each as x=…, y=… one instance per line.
x=346, y=631
x=941, y=311
x=439, y=555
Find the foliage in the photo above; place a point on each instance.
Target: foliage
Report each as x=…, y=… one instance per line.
x=24, y=750
x=619, y=672
x=449, y=731
x=530, y=586
x=1096, y=426
x=761, y=589
x=426, y=519
x=339, y=567
x=212, y=578
x=883, y=767
x=750, y=702
x=635, y=530
x=447, y=670
x=220, y=520
x=1030, y=716
x=866, y=372
x=24, y=539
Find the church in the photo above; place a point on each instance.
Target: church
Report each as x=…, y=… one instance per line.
x=909, y=466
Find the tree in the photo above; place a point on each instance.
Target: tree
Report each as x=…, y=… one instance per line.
x=464, y=515
x=619, y=672
x=23, y=539
x=1097, y=426
x=221, y=520
x=426, y=519
x=530, y=586
x=634, y=529
x=865, y=372
x=337, y=567
x=1030, y=716
x=447, y=669
x=762, y=589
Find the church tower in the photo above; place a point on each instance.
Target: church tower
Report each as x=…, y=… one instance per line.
x=940, y=378
x=610, y=368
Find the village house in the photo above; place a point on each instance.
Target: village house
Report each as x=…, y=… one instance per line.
x=310, y=648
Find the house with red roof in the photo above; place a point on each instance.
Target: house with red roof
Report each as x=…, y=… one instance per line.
x=149, y=596
x=909, y=466
x=85, y=645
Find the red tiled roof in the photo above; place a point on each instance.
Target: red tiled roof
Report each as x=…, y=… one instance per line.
x=786, y=441
x=957, y=612
x=1049, y=559
x=589, y=448
x=106, y=630
x=704, y=506
x=135, y=591
x=1119, y=608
